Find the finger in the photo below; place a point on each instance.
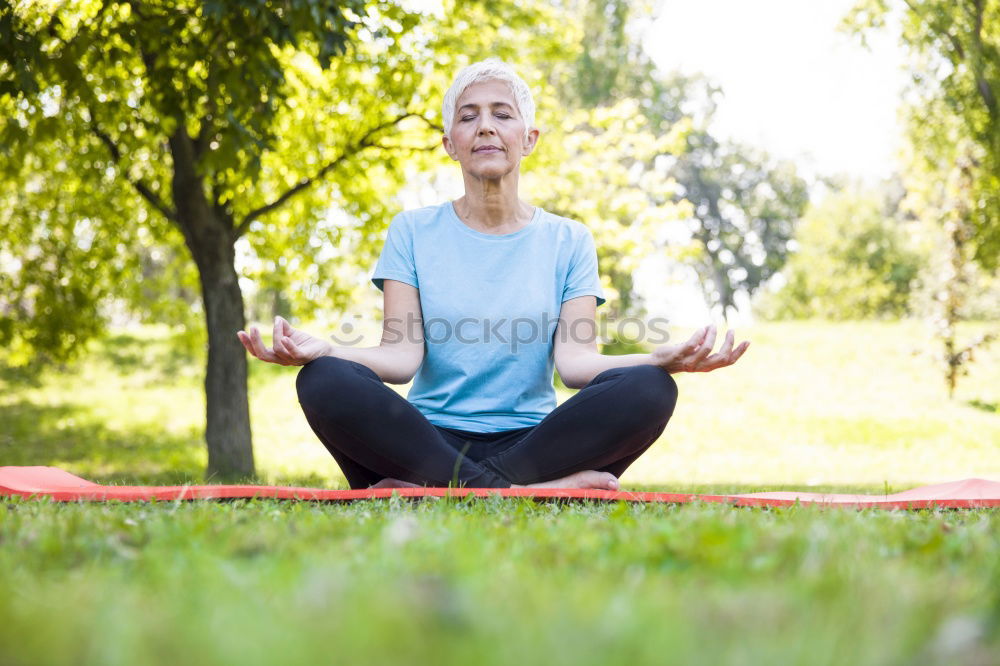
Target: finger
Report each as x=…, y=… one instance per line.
x=276, y=336
x=245, y=341
x=740, y=351
x=283, y=340
x=293, y=350
x=261, y=350
x=286, y=328
x=283, y=336
x=722, y=359
x=728, y=359
x=706, y=347
x=685, y=350
x=256, y=344
x=727, y=344
x=694, y=341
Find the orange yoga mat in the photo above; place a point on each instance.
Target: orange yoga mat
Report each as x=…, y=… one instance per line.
x=61, y=486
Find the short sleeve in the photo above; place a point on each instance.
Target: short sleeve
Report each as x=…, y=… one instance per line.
x=582, y=278
x=396, y=261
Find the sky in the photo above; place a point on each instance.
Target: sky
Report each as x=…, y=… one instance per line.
x=793, y=84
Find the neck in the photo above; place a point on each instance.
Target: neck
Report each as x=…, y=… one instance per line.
x=493, y=205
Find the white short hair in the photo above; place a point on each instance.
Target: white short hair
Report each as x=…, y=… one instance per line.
x=491, y=69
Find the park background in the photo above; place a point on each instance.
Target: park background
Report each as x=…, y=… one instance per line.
x=823, y=177
x=820, y=179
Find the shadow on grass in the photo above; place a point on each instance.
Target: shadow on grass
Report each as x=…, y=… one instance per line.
x=167, y=355
x=125, y=352
x=991, y=407
x=26, y=376
x=69, y=437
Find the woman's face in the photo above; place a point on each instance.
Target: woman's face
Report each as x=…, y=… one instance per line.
x=487, y=132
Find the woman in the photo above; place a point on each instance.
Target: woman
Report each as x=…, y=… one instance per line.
x=463, y=283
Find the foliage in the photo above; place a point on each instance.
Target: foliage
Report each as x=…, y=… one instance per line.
x=739, y=205
x=952, y=167
x=952, y=110
x=103, y=85
x=231, y=129
x=744, y=209
x=599, y=166
x=73, y=256
x=854, y=261
x=957, y=280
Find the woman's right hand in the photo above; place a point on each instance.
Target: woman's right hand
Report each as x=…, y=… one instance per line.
x=291, y=346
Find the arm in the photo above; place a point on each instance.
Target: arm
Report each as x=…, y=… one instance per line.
x=575, y=348
x=578, y=360
x=395, y=360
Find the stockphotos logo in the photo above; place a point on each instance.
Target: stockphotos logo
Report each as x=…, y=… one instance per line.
x=514, y=332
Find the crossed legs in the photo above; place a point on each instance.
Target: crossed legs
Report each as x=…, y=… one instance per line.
x=374, y=433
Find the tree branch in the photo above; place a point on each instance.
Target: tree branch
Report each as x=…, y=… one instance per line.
x=983, y=86
x=353, y=149
x=955, y=43
x=211, y=92
x=415, y=149
x=140, y=187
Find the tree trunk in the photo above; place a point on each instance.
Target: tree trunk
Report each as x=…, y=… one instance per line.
x=210, y=239
x=227, y=429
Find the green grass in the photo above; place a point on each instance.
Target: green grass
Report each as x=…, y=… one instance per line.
x=495, y=582
x=844, y=406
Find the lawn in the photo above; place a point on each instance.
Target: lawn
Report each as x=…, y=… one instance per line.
x=495, y=582
x=845, y=406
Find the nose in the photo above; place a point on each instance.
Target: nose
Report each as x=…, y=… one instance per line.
x=485, y=126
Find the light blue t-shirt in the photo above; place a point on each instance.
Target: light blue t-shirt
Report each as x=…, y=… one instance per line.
x=490, y=306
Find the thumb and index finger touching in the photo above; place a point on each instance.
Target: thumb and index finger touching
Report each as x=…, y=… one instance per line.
x=253, y=342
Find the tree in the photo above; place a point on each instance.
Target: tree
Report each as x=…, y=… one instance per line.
x=952, y=160
x=741, y=205
x=954, y=98
x=853, y=261
x=218, y=125
x=745, y=207
x=953, y=278
x=183, y=101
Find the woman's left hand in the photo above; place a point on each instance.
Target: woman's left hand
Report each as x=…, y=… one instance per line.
x=696, y=355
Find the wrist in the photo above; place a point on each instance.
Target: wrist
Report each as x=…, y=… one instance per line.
x=665, y=361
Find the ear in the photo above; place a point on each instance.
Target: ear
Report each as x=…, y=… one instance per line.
x=530, y=140
x=449, y=147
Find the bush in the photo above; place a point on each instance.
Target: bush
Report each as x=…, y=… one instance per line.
x=853, y=262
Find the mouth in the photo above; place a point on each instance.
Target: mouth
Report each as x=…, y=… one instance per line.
x=487, y=149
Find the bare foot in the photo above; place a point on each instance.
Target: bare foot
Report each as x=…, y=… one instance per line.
x=393, y=483
x=585, y=479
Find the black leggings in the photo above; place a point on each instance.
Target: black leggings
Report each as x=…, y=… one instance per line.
x=373, y=432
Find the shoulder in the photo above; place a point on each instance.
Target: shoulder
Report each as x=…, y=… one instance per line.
x=566, y=228
x=565, y=224
x=416, y=217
